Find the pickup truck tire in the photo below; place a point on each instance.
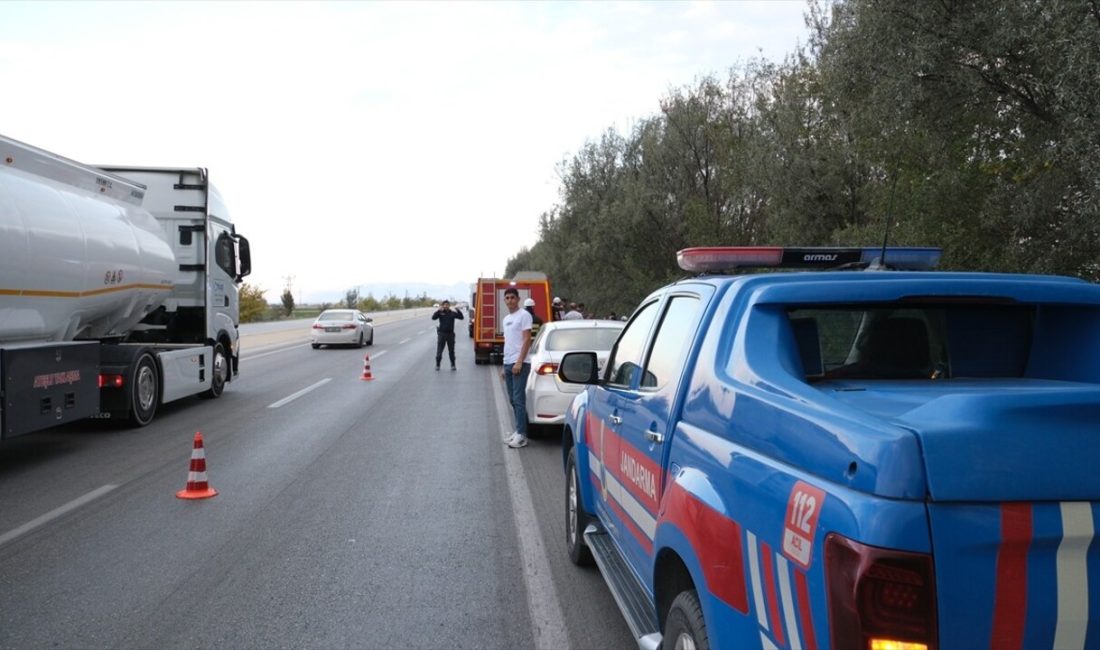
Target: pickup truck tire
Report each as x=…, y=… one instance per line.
x=576, y=519
x=684, y=627
x=145, y=391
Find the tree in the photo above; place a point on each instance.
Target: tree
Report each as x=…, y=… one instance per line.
x=253, y=304
x=351, y=298
x=288, y=302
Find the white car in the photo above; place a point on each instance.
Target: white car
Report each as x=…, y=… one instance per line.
x=342, y=327
x=547, y=397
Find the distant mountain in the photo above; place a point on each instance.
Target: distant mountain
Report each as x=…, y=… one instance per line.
x=458, y=292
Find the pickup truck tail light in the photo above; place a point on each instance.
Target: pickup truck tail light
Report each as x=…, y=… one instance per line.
x=879, y=599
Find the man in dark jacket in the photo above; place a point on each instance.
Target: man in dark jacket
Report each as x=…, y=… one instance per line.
x=445, y=335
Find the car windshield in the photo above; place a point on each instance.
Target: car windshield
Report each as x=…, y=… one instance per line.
x=588, y=338
x=336, y=315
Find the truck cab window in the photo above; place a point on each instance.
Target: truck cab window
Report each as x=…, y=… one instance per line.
x=671, y=341
x=223, y=254
x=628, y=353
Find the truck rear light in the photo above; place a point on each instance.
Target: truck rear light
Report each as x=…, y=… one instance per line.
x=879, y=599
x=110, y=381
x=548, y=369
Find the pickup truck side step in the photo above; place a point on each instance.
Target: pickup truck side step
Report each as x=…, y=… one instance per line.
x=629, y=594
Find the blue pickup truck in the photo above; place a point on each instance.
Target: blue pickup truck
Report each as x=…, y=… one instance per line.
x=888, y=458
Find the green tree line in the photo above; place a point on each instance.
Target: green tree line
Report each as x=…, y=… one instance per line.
x=965, y=125
x=254, y=306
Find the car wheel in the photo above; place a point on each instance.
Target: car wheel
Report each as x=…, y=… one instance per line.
x=684, y=627
x=370, y=341
x=576, y=519
x=145, y=391
x=315, y=345
x=221, y=373
x=362, y=341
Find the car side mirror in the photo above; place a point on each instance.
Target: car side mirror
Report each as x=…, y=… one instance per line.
x=579, y=368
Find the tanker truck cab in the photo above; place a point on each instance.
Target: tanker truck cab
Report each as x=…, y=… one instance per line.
x=118, y=289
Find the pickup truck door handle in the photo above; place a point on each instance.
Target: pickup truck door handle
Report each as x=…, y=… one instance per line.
x=616, y=419
x=654, y=437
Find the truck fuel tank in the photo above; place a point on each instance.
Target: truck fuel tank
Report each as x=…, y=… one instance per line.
x=79, y=256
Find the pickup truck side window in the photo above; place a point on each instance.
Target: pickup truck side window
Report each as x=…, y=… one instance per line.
x=670, y=345
x=628, y=353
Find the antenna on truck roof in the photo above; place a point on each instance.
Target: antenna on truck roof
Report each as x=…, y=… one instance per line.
x=880, y=263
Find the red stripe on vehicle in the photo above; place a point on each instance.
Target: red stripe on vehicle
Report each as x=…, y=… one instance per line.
x=769, y=591
x=1010, y=600
x=643, y=539
x=716, y=540
x=805, y=613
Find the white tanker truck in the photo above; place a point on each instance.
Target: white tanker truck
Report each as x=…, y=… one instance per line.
x=118, y=289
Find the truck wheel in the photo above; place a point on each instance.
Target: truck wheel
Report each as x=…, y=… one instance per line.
x=685, y=628
x=144, y=391
x=575, y=517
x=221, y=373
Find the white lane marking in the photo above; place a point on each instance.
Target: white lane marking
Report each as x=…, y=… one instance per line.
x=404, y=341
x=1073, y=575
x=55, y=513
x=754, y=571
x=291, y=398
x=268, y=354
x=379, y=354
x=788, y=602
x=542, y=597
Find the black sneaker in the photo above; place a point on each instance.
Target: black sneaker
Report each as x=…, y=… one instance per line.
x=453, y=368
x=437, y=368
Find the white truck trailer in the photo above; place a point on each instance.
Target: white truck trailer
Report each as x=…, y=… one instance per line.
x=118, y=289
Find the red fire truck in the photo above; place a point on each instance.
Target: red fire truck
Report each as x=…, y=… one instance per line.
x=487, y=310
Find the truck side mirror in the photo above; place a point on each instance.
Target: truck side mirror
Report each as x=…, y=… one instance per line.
x=244, y=258
x=579, y=368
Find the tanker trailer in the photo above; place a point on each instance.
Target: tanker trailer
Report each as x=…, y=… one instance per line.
x=118, y=290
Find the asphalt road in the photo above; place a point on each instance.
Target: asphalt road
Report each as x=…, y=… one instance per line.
x=350, y=514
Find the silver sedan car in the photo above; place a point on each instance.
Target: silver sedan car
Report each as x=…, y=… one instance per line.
x=342, y=327
x=547, y=397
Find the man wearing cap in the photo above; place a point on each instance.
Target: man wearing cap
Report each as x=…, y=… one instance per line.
x=445, y=334
x=536, y=322
x=557, y=310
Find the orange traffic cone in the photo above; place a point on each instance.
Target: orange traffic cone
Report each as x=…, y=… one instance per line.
x=197, y=487
x=366, y=369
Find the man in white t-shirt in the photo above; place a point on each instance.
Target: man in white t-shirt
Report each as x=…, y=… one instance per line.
x=517, y=342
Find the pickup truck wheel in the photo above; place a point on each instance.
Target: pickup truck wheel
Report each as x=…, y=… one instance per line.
x=575, y=517
x=221, y=373
x=145, y=391
x=684, y=628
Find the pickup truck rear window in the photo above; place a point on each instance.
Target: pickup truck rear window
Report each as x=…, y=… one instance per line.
x=913, y=342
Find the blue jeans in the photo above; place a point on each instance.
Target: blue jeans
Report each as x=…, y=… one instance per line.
x=517, y=393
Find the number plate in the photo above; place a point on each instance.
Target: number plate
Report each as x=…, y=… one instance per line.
x=332, y=329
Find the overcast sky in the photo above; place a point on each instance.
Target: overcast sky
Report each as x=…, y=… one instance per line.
x=362, y=142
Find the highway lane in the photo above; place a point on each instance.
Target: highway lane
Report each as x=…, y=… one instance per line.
x=358, y=514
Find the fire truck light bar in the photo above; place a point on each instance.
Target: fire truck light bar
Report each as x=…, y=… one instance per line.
x=714, y=259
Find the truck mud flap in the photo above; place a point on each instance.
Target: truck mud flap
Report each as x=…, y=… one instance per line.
x=46, y=385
